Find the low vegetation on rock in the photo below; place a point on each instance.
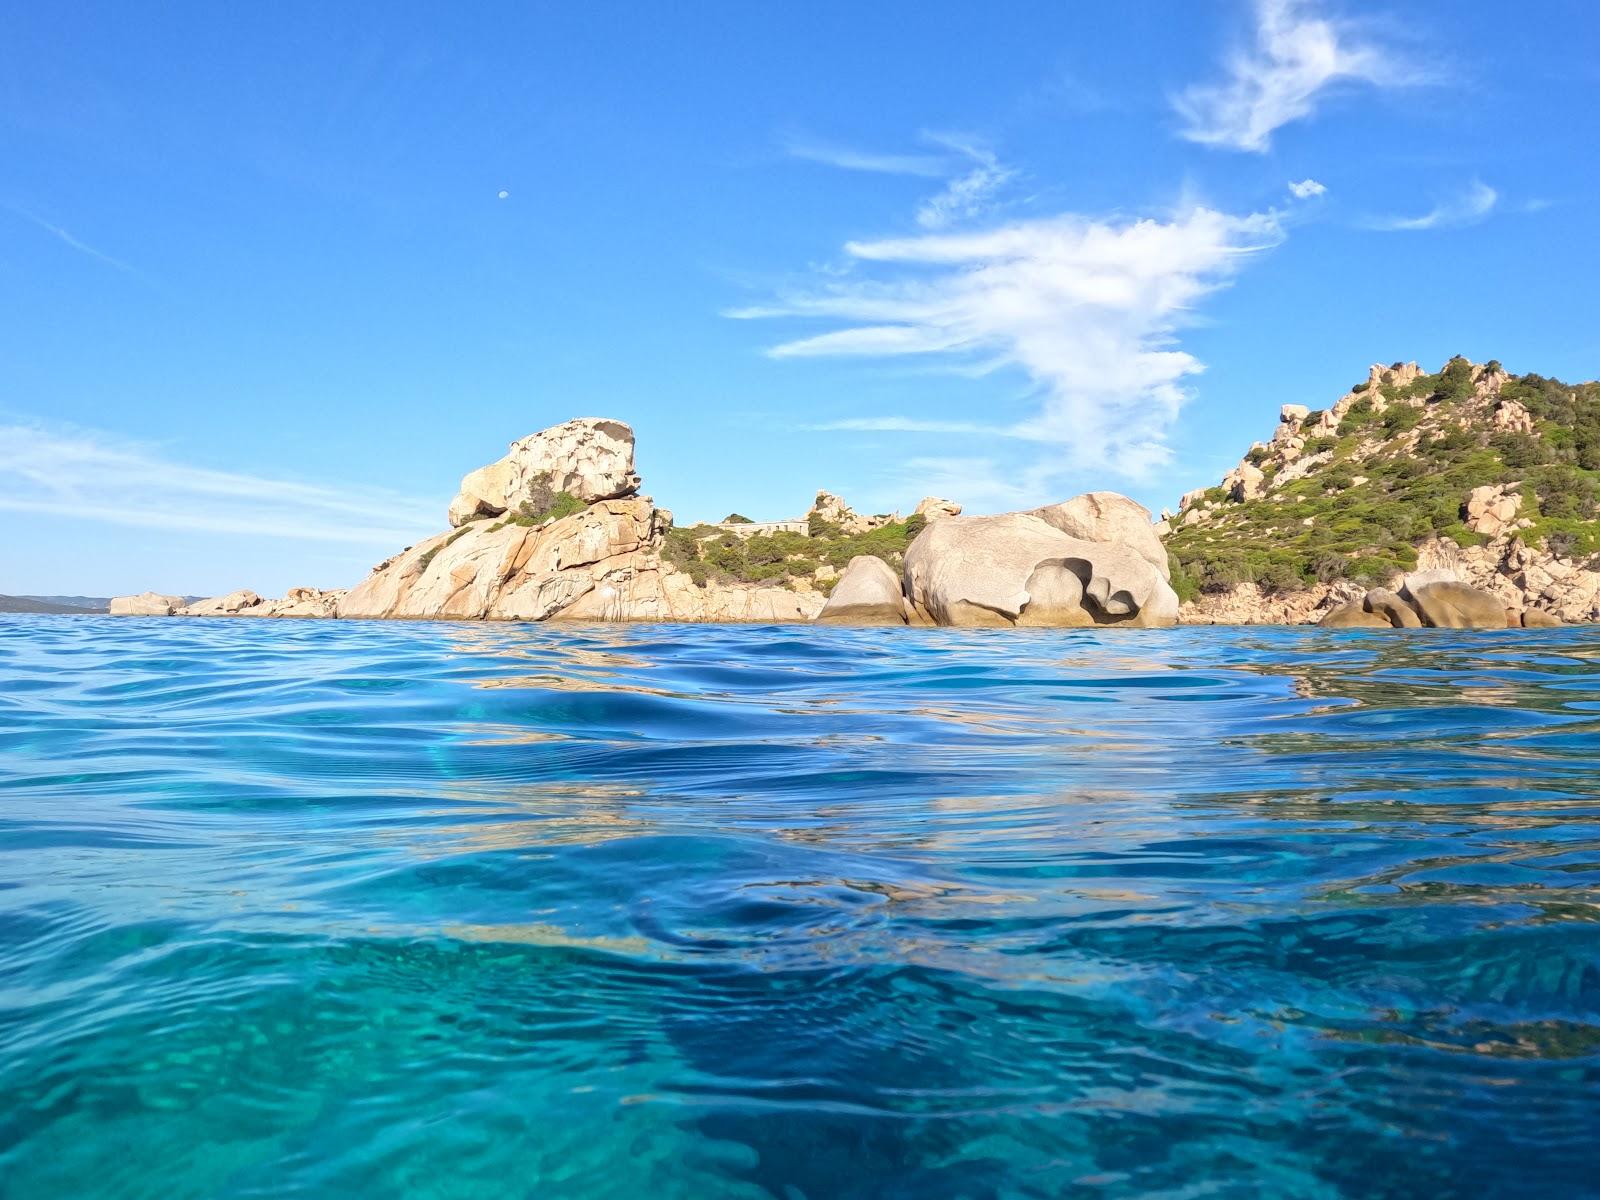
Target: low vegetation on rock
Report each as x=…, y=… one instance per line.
x=706, y=553
x=1352, y=492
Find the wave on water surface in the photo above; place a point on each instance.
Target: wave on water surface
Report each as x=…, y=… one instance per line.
x=457, y=910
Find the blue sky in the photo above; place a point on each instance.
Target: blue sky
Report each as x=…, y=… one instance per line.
x=273, y=277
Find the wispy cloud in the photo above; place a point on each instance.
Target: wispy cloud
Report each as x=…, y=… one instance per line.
x=1087, y=308
x=77, y=244
x=1470, y=207
x=1305, y=189
x=970, y=193
x=1296, y=58
x=931, y=166
x=99, y=477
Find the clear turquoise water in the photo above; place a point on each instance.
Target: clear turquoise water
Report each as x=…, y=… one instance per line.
x=436, y=910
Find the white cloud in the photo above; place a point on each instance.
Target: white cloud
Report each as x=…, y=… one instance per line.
x=1305, y=189
x=1472, y=206
x=931, y=166
x=98, y=477
x=969, y=194
x=1296, y=58
x=1087, y=309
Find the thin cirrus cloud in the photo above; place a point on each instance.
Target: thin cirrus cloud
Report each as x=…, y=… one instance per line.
x=1296, y=59
x=1088, y=309
x=930, y=166
x=1470, y=207
x=97, y=476
x=973, y=175
x=68, y=239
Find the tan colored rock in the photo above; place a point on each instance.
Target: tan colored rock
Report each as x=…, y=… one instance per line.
x=1391, y=608
x=305, y=602
x=1512, y=417
x=590, y=458
x=231, y=605
x=1533, y=618
x=1446, y=605
x=145, y=604
x=868, y=593
x=934, y=509
x=1353, y=614
x=1109, y=517
x=484, y=492
x=1245, y=482
x=602, y=564
x=1491, y=509
x=978, y=571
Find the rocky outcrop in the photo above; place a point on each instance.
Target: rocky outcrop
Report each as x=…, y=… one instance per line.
x=1017, y=569
x=1428, y=600
x=231, y=605
x=1109, y=517
x=1492, y=509
x=868, y=593
x=145, y=604
x=590, y=459
x=832, y=511
x=602, y=564
x=931, y=508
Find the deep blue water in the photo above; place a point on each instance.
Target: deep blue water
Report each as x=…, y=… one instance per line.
x=449, y=910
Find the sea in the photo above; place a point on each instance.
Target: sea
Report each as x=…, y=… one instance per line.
x=465, y=910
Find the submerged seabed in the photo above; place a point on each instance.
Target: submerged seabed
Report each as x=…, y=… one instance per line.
x=455, y=910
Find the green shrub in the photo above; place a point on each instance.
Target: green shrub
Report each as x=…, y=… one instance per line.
x=1400, y=418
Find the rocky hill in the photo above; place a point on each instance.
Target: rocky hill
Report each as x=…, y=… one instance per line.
x=1472, y=471
x=557, y=529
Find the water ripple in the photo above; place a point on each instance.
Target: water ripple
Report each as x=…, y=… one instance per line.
x=455, y=910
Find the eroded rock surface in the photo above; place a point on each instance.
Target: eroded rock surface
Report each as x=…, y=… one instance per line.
x=590, y=458
x=990, y=570
x=145, y=604
x=868, y=593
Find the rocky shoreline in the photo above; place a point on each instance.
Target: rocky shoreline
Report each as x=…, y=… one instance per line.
x=557, y=529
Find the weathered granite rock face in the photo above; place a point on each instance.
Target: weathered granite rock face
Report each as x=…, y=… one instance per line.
x=1109, y=517
x=590, y=458
x=601, y=564
x=145, y=604
x=934, y=509
x=231, y=605
x=868, y=593
x=834, y=511
x=1426, y=599
x=1491, y=509
x=1017, y=569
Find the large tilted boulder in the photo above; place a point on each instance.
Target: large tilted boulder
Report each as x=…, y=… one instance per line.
x=1109, y=517
x=1017, y=569
x=145, y=604
x=590, y=458
x=868, y=593
x=1447, y=605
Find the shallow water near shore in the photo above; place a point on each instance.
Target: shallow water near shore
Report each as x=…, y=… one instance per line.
x=456, y=910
